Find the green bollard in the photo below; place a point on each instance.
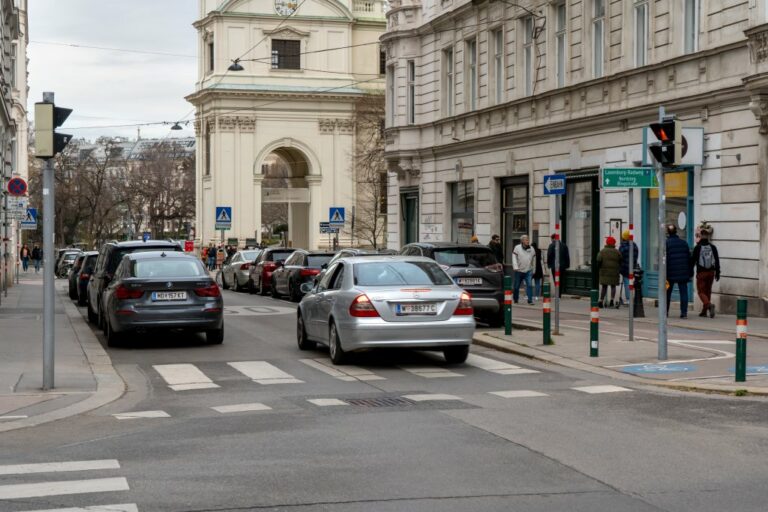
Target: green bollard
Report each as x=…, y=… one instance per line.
x=547, y=316
x=741, y=340
x=594, y=326
x=507, y=305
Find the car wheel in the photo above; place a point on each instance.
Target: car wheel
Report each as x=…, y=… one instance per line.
x=456, y=355
x=294, y=292
x=101, y=323
x=251, y=288
x=81, y=302
x=338, y=356
x=262, y=290
x=114, y=339
x=224, y=281
x=301, y=335
x=72, y=293
x=273, y=290
x=92, y=317
x=215, y=337
x=238, y=288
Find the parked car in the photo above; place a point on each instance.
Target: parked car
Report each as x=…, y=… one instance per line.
x=473, y=267
x=158, y=290
x=351, y=252
x=110, y=256
x=386, y=301
x=234, y=272
x=66, y=262
x=73, y=275
x=84, y=275
x=260, y=277
x=301, y=267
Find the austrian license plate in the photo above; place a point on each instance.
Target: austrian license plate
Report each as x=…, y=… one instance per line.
x=158, y=296
x=469, y=281
x=416, y=309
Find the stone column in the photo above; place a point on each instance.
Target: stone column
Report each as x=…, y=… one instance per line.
x=258, y=180
x=315, y=209
x=759, y=106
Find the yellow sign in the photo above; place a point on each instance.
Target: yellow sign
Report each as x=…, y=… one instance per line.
x=676, y=185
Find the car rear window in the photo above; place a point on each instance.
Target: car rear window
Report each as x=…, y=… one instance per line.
x=280, y=255
x=398, y=273
x=318, y=260
x=250, y=255
x=117, y=255
x=70, y=257
x=465, y=257
x=167, y=268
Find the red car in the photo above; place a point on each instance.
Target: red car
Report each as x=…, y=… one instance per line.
x=260, y=277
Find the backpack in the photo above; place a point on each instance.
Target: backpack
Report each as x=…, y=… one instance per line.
x=706, y=257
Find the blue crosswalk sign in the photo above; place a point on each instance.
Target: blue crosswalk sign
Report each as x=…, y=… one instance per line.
x=223, y=217
x=336, y=216
x=30, y=219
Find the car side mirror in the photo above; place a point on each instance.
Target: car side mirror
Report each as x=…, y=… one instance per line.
x=306, y=287
x=324, y=266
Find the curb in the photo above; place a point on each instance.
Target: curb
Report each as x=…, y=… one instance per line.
x=490, y=341
x=109, y=385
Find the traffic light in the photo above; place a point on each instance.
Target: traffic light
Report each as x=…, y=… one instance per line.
x=669, y=150
x=48, y=117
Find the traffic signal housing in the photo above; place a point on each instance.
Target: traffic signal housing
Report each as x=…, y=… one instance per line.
x=669, y=150
x=48, y=117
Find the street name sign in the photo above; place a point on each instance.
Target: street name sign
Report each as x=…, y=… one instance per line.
x=326, y=228
x=30, y=219
x=336, y=216
x=223, y=217
x=554, y=184
x=628, y=177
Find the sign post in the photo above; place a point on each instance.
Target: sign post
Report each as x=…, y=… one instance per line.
x=554, y=185
x=223, y=220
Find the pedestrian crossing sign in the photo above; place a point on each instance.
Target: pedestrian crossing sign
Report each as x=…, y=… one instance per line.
x=336, y=216
x=30, y=219
x=223, y=217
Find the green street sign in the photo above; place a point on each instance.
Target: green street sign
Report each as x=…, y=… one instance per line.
x=629, y=177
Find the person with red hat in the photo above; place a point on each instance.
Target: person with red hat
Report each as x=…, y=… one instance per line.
x=609, y=266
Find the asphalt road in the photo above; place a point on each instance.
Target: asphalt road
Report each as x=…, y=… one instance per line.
x=397, y=431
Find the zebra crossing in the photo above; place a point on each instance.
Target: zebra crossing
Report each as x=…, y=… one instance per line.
x=51, y=486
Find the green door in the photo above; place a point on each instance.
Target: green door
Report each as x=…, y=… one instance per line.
x=581, y=232
x=409, y=204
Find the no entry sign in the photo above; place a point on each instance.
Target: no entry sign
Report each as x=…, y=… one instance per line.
x=17, y=187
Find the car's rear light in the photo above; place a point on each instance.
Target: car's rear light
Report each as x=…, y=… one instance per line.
x=465, y=305
x=362, y=307
x=84, y=277
x=123, y=293
x=496, y=267
x=208, y=291
x=306, y=272
x=245, y=266
x=269, y=267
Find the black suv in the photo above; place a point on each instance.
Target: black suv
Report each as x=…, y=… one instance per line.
x=110, y=256
x=474, y=268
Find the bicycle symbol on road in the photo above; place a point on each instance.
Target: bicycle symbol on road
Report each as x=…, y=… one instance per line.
x=659, y=368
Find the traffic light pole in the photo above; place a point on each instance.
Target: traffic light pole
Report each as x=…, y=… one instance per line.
x=49, y=334
x=662, y=264
x=556, y=270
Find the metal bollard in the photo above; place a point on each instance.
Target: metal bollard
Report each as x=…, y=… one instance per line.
x=507, y=305
x=594, y=326
x=547, y=316
x=741, y=340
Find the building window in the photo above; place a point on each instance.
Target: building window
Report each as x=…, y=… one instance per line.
x=286, y=54
x=691, y=32
x=462, y=211
x=382, y=61
x=471, y=65
x=560, y=43
x=497, y=36
x=641, y=32
x=448, y=77
x=207, y=150
x=598, y=37
x=211, y=55
x=411, y=70
x=528, y=54
x=391, y=94
x=14, y=51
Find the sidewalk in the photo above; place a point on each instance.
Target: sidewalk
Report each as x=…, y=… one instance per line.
x=84, y=377
x=700, y=350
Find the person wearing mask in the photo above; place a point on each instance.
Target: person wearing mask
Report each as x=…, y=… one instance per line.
x=679, y=271
x=609, y=265
x=37, y=256
x=523, y=260
x=624, y=251
x=565, y=260
x=538, y=273
x=706, y=261
x=495, y=246
x=24, y=255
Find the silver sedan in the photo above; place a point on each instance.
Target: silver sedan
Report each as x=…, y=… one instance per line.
x=386, y=301
x=234, y=272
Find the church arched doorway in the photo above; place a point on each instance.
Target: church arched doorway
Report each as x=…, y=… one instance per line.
x=285, y=197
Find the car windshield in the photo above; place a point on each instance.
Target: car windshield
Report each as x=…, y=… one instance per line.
x=164, y=268
x=281, y=255
x=70, y=257
x=119, y=253
x=398, y=273
x=318, y=260
x=250, y=255
x=465, y=257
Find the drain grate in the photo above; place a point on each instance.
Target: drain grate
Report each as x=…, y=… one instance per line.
x=380, y=402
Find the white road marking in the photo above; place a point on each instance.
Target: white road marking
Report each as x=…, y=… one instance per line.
x=258, y=310
x=141, y=414
x=60, y=488
x=225, y=409
x=431, y=397
x=518, y=393
x=326, y=402
x=183, y=377
x=124, y=507
x=491, y=365
x=264, y=373
x=53, y=467
x=430, y=372
x=347, y=373
x=691, y=344
x=593, y=390
x=19, y=417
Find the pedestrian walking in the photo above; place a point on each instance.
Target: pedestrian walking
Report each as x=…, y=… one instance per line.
x=24, y=255
x=496, y=248
x=609, y=266
x=211, y=257
x=706, y=261
x=221, y=255
x=523, y=260
x=37, y=255
x=565, y=258
x=624, y=251
x=679, y=271
x=538, y=272
x=474, y=240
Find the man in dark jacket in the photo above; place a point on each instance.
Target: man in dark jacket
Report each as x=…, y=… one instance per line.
x=498, y=250
x=706, y=262
x=678, y=268
x=37, y=255
x=565, y=259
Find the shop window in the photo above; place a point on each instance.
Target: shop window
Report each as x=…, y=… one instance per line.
x=462, y=211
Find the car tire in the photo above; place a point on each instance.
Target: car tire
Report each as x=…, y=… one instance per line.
x=456, y=355
x=238, y=288
x=81, y=302
x=273, y=290
x=251, y=288
x=338, y=356
x=114, y=339
x=224, y=280
x=92, y=317
x=72, y=293
x=301, y=335
x=294, y=292
x=102, y=322
x=215, y=337
x=262, y=291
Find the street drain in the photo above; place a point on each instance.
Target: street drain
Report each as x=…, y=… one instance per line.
x=380, y=402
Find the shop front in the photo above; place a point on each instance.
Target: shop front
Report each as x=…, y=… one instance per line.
x=515, y=204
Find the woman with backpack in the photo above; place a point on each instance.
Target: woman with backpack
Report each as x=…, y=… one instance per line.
x=706, y=261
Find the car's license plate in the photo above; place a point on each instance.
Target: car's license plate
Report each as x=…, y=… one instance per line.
x=469, y=281
x=156, y=296
x=416, y=309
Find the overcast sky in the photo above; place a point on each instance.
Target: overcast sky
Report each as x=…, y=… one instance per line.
x=106, y=88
